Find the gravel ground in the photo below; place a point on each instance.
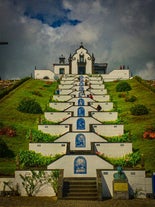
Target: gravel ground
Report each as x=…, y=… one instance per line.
x=52, y=202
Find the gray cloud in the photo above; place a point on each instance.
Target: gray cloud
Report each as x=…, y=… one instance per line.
x=118, y=32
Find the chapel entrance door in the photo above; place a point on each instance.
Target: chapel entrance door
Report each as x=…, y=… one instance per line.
x=81, y=70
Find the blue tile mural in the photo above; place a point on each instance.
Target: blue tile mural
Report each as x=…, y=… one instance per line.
x=81, y=111
x=80, y=140
x=80, y=124
x=80, y=165
x=81, y=102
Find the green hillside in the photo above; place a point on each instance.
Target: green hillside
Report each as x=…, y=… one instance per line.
x=41, y=91
x=137, y=125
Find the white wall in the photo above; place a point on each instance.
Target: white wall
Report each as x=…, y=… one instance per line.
x=48, y=149
x=90, y=137
x=54, y=129
x=116, y=75
x=115, y=150
x=57, y=116
x=105, y=116
x=67, y=163
x=60, y=106
x=74, y=109
x=136, y=178
x=46, y=190
x=61, y=97
x=10, y=180
x=101, y=98
x=97, y=91
x=76, y=58
x=106, y=106
x=73, y=121
x=40, y=74
x=109, y=130
x=57, y=67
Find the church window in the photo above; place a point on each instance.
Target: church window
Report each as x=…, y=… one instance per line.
x=81, y=58
x=61, y=71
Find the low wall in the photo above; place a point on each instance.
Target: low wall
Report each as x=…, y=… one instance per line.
x=61, y=87
x=98, y=92
x=60, y=106
x=10, y=180
x=71, y=138
x=105, y=116
x=109, y=130
x=57, y=116
x=54, y=129
x=65, y=91
x=48, y=149
x=90, y=160
x=74, y=109
x=87, y=120
x=106, y=106
x=86, y=100
x=115, y=150
x=101, y=98
x=138, y=183
x=45, y=190
x=61, y=97
x=98, y=86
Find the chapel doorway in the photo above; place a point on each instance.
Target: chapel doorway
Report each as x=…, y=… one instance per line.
x=81, y=70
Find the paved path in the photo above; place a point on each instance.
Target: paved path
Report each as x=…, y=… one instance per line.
x=49, y=202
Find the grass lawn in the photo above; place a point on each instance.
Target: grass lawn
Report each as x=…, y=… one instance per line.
x=22, y=122
x=136, y=125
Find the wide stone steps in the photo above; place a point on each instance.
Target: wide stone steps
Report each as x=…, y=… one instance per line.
x=80, y=189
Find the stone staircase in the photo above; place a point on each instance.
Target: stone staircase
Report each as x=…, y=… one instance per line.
x=80, y=189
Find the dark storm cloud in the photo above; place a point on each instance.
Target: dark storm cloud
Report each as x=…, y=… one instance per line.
x=116, y=31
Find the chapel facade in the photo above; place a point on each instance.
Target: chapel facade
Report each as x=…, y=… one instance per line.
x=80, y=62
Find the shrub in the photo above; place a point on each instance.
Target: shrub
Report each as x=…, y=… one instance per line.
x=37, y=93
x=129, y=160
x=29, y=158
x=139, y=109
x=38, y=136
x=9, y=131
x=130, y=98
x=29, y=105
x=4, y=150
x=123, y=86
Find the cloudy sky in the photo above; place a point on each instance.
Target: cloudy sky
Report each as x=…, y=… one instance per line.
x=119, y=32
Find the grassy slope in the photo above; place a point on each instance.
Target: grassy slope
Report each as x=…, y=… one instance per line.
x=22, y=122
x=137, y=124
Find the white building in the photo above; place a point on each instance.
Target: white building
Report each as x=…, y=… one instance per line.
x=81, y=62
